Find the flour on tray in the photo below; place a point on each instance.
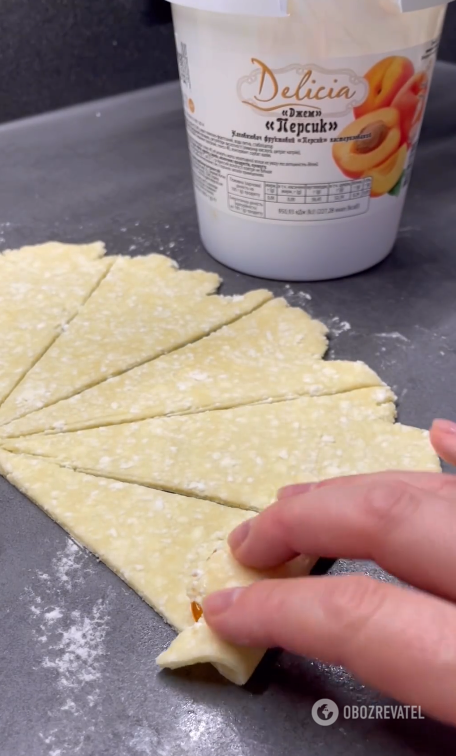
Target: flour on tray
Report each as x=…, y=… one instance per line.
x=338, y=326
x=70, y=643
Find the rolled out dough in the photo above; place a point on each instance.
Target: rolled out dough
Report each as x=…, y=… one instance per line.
x=221, y=446
x=170, y=549
x=41, y=289
x=238, y=457
x=152, y=540
x=143, y=308
x=269, y=353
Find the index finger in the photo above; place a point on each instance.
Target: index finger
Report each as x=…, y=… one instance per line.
x=406, y=530
x=443, y=439
x=443, y=485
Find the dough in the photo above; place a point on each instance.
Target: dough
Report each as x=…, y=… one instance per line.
x=143, y=308
x=263, y=355
x=120, y=318
x=152, y=540
x=197, y=643
x=238, y=457
x=373, y=447
x=170, y=549
x=41, y=289
x=41, y=257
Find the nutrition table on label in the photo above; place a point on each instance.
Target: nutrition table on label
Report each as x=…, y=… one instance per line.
x=298, y=202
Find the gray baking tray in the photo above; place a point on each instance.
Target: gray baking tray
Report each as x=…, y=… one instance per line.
x=77, y=647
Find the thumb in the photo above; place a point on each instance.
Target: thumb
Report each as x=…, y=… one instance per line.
x=398, y=641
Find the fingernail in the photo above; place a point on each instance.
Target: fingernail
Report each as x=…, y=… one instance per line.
x=295, y=490
x=446, y=426
x=239, y=535
x=220, y=602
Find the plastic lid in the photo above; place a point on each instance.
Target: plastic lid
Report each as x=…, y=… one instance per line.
x=413, y=5
x=278, y=8
x=239, y=7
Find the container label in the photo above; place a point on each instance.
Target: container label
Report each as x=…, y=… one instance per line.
x=303, y=141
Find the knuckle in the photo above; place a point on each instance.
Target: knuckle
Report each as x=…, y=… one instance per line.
x=276, y=598
x=269, y=600
x=387, y=506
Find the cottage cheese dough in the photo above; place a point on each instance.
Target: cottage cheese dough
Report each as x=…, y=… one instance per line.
x=41, y=289
x=263, y=355
x=152, y=540
x=238, y=457
x=40, y=257
x=170, y=549
x=142, y=309
x=197, y=643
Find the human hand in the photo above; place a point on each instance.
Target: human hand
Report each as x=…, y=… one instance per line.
x=399, y=641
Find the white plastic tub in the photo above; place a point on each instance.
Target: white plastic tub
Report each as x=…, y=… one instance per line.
x=303, y=119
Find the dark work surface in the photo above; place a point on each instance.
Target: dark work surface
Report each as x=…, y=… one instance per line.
x=77, y=647
x=56, y=53
x=448, y=46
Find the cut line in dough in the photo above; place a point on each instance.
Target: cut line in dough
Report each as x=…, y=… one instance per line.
x=270, y=353
x=153, y=540
x=239, y=457
x=143, y=308
x=168, y=547
x=41, y=289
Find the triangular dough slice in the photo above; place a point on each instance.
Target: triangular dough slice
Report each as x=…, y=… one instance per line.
x=143, y=308
x=170, y=549
x=41, y=289
x=152, y=540
x=357, y=448
x=264, y=355
x=38, y=256
x=197, y=643
x=238, y=457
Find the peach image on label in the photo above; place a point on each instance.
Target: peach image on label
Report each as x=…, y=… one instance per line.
x=373, y=150
x=191, y=105
x=386, y=78
x=385, y=176
x=410, y=101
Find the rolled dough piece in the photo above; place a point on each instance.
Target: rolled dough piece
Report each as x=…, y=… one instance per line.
x=197, y=643
x=143, y=308
x=264, y=355
x=152, y=540
x=41, y=289
x=238, y=457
